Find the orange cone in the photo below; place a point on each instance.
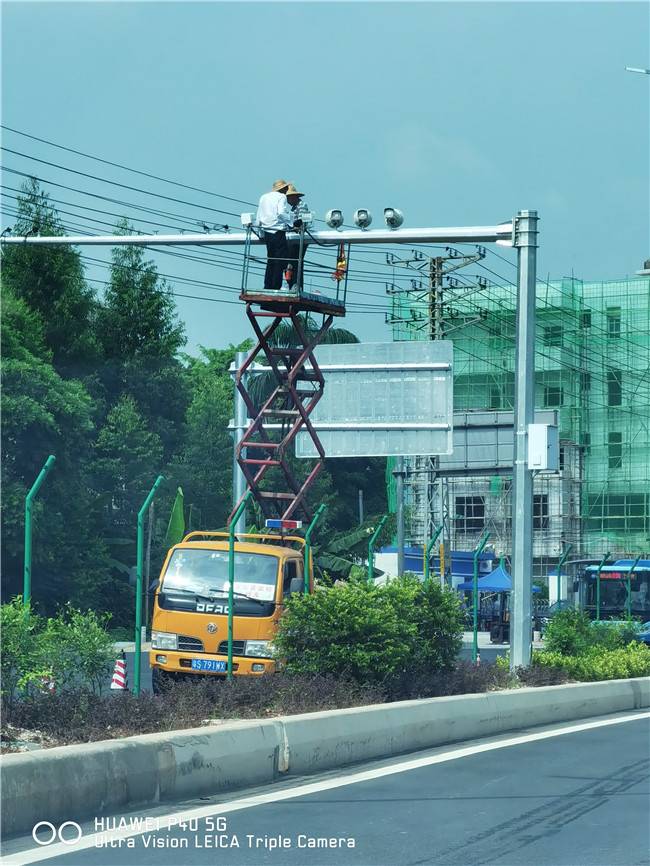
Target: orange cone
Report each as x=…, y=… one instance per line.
x=47, y=682
x=478, y=659
x=120, y=679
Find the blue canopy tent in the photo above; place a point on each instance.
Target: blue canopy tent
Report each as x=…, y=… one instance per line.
x=496, y=581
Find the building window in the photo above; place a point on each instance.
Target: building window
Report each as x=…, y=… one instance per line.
x=614, y=388
x=553, y=396
x=627, y=512
x=613, y=322
x=540, y=511
x=615, y=450
x=585, y=320
x=495, y=397
x=470, y=513
x=553, y=335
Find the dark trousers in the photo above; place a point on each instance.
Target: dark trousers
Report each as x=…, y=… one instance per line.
x=296, y=260
x=277, y=251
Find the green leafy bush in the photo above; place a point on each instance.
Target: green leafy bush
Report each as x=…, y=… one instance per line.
x=73, y=647
x=572, y=633
x=612, y=635
x=369, y=632
x=569, y=633
x=599, y=663
x=81, y=647
x=21, y=649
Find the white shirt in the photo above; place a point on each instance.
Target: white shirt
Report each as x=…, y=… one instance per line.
x=273, y=214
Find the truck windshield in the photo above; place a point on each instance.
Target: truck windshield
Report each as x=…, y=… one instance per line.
x=205, y=573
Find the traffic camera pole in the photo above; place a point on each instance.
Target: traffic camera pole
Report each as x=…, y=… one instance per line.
x=525, y=239
x=138, y=586
x=27, y=585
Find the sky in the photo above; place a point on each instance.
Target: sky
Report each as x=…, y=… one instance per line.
x=180, y=114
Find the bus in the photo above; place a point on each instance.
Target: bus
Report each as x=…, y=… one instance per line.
x=620, y=590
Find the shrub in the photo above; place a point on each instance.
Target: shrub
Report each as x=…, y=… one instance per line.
x=20, y=648
x=465, y=679
x=598, y=663
x=612, y=635
x=572, y=633
x=77, y=715
x=368, y=632
x=569, y=633
x=74, y=646
x=82, y=649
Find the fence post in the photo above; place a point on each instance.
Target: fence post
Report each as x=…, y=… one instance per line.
x=475, y=593
x=27, y=585
x=231, y=575
x=559, y=573
x=308, y=547
x=427, y=552
x=138, y=586
x=371, y=547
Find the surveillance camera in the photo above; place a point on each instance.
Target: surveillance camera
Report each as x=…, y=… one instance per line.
x=334, y=218
x=394, y=218
x=362, y=218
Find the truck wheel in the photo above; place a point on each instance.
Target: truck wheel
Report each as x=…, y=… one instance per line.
x=160, y=681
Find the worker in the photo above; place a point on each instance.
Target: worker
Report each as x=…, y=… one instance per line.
x=296, y=244
x=273, y=221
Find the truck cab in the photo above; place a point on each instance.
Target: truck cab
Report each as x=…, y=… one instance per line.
x=189, y=635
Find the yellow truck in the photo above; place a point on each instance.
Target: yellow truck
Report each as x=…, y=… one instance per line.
x=189, y=632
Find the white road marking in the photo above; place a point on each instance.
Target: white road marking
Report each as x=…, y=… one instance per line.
x=275, y=795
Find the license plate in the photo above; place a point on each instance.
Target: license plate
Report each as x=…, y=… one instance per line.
x=209, y=665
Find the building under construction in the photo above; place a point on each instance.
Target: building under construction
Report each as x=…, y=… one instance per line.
x=592, y=352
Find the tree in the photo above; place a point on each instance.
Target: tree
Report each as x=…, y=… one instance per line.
x=139, y=318
x=50, y=280
x=127, y=462
x=203, y=466
x=43, y=414
x=141, y=336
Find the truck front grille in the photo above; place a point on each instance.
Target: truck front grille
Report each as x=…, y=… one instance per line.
x=190, y=644
x=237, y=648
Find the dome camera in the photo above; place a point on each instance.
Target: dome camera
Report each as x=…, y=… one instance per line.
x=394, y=218
x=362, y=218
x=334, y=218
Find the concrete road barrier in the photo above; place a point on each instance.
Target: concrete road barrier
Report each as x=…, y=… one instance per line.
x=77, y=782
x=320, y=741
x=85, y=781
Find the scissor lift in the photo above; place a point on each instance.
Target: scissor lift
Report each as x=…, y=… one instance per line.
x=298, y=387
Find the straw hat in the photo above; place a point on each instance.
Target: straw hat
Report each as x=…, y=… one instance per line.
x=279, y=185
x=291, y=190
